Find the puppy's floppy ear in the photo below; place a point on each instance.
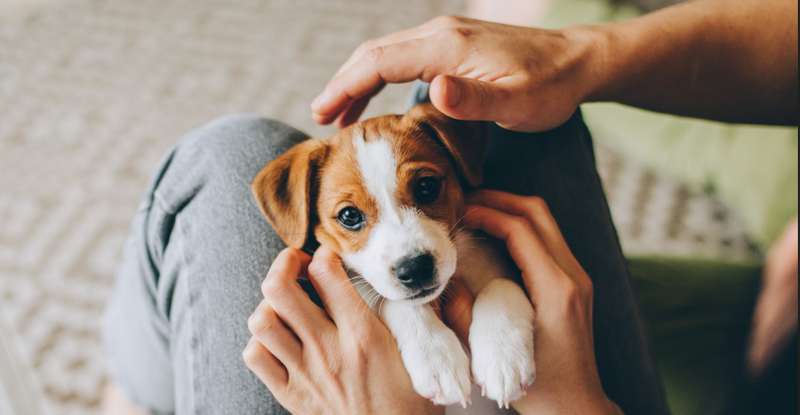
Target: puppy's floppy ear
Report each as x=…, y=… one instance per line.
x=464, y=140
x=286, y=191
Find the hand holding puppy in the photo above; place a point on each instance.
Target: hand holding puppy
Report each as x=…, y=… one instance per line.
x=341, y=360
x=567, y=379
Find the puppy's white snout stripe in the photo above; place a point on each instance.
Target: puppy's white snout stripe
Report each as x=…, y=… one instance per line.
x=397, y=231
x=378, y=169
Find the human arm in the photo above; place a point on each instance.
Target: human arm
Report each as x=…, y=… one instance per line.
x=341, y=360
x=719, y=59
x=734, y=61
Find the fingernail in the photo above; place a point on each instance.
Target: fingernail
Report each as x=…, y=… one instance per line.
x=319, y=100
x=453, y=93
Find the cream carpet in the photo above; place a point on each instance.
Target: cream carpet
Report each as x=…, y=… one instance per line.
x=94, y=92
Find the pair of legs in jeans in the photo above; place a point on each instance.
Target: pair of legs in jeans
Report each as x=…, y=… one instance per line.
x=199, y=248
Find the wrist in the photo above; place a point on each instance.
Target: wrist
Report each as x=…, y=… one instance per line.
x=593, y=74
x=589, y=404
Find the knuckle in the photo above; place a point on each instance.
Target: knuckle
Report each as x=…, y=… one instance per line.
x=250, y=354
x=368, y=339
x=573, y=298
x=374, y=55
x=272, y=288
x=321, y=268
x=458, y=37
x=511, y=123
x=442, y=21
x=587, y=287
x=293, y=255
x=535, y=206
x=537, y=202
x=253, y=322
x=364, y=46
x=571, y=290
x=448, y=20
x=518, y=224
x=260, y=322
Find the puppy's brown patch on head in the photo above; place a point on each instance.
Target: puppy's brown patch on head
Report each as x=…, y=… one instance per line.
x=342, y=186
x=422, y=158
x=302, y=192
x=465, y=141
x=422, y=145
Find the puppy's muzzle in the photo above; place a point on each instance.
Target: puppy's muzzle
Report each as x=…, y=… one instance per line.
x=417, y=272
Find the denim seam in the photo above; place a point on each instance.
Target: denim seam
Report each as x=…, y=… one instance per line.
x=194, y=342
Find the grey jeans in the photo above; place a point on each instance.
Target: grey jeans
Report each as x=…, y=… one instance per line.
x=199, y=248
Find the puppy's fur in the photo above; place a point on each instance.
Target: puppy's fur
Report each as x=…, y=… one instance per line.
x=382, y=167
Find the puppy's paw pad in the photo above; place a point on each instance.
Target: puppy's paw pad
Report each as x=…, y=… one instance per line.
x=439, y=369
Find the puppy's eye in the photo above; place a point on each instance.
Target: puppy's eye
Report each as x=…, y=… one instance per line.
x=426, y=189
x=351, y=218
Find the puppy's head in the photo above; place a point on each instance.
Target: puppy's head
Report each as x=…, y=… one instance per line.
x=386, y=194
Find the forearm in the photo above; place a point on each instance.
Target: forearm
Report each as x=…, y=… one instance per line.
x=725, y=60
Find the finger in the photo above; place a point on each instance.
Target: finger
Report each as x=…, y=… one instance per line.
x=354, y=111
x=394, y=63
x=265, y=366
x=417, y=32
x=536, y=211
x=265, y=325
x=334, y=287
x=349, y=113
x=472, y=99
x=525, y=247
x=288, y=299
x=457, y=304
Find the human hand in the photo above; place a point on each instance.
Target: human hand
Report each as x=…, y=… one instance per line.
x=522, y=78
x=775, y=316
x=561, y=291
x=341, y=360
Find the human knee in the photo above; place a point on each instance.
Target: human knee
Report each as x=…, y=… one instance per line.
x=239, y=140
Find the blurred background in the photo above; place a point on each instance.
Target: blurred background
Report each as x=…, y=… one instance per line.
x=94, y=92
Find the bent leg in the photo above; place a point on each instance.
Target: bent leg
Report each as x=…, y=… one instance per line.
x=198, y=250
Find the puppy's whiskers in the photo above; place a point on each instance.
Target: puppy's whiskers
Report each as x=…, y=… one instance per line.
x=456, y=228
x=371, y=297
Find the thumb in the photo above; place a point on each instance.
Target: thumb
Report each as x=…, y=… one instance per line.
x=470, y=99
x=331, y=282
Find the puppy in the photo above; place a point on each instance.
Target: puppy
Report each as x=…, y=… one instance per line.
x=387, y=194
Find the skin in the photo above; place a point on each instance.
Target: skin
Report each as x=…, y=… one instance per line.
x=775, y=316
x=329, y=361
x=718, y=59
x=343, y=360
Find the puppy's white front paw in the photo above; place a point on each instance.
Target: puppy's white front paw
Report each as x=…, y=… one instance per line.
x=438, y=367
x=501, y=340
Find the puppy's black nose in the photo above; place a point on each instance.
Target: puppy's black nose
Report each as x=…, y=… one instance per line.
x=415, y=271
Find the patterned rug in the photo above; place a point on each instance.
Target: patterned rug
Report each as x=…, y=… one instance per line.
x=94, y=92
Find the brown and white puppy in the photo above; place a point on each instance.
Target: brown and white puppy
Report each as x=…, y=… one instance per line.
x=387, y=195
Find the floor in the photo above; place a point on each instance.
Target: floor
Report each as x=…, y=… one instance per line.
x=93, y=93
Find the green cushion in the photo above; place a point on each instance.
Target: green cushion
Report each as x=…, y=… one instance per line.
x=697, y=314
